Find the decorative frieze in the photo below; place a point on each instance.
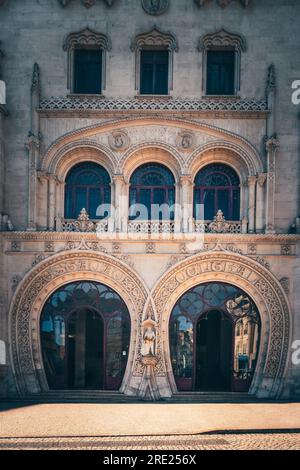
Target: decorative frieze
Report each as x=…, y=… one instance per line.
x=86, y=3
x=222, y=3
x=155, y=104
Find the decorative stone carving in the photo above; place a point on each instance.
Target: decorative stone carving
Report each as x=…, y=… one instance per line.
x=38, y=259
x=149, y=337
x=119, y=141
x=155, y=38
x=185, y=141
x=15, y=281
x=254, y=279
x=286, y=250
x=47, y=277
x=222, y=3
x=155, y=104
x=87, y=37
x=223, y=38
x=116, y=248
x=49, y=246
x=150, y=248
x=86, y=3
x=83, y=223
x=85, y=245
x=219, y=225
x=155, y=7
x=285, y=282
x=240, y=307
x=252, y=249
x=15, y=245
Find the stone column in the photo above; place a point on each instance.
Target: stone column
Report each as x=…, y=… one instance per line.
x=186, y=201
x=251, y=208
x=260, y=202
x=51, y=201
x=2, y=179
x=120, y=203
x=33, y=146
x=271, y=146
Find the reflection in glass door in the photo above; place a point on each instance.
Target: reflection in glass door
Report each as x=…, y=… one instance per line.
x=214, y=334
x=85, y=335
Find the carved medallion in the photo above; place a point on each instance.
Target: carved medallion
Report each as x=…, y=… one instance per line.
x=155, y=7
x=185, y=141
x=118, y=141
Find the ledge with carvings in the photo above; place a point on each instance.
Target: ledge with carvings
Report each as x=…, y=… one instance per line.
x=91, y=105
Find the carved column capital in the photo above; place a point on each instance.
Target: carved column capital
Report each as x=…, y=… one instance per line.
x=186, y=180
x=272, y=145
x=252, y=181
x=261, y=179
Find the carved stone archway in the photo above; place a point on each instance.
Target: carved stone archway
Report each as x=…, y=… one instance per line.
x=259, y=284
x=37, y=287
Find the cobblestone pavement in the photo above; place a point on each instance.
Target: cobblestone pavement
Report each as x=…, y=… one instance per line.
x=263, y=441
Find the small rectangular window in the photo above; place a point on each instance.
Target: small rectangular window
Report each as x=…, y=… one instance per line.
x=220, y=73
x=87, y=71
x=154, y=73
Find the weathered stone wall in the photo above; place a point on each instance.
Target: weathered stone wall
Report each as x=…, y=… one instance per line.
x=34, y=31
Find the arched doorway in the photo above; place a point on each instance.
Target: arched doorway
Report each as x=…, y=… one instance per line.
x=214, y=339
x=85, y=336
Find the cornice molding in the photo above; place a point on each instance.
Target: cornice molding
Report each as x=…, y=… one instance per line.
x=210, y=238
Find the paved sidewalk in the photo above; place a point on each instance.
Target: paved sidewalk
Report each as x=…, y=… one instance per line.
x=274, y=441
x=66, y=420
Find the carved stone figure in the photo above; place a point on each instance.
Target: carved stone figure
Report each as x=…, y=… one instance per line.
x=149, y=342
x=155, y=7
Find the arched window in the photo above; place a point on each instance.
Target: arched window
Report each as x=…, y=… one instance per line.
x=87, y=186
x=217, y=187
x=152, y=186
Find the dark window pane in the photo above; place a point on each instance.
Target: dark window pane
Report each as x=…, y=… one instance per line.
x=87, y=186
x=154, y=72
x=220, y=72
x=209, y=204
x=94, y=201
x=217, y=186
x=87, y=71
x=223, y=203
x=152, y=184
x=81, y=201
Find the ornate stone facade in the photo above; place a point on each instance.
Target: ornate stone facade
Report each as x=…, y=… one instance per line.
x=46, y=130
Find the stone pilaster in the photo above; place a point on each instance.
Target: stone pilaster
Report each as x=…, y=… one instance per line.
x=33, y=146
x=271, y=146
x=252, y=194
x=120, y=203
x=52, y=181
x=2, y=115
x=186, y=203
x=260, y=202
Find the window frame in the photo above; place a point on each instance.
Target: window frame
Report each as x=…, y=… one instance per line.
x=222, y=41
x=90, y=40
x=72, y=188
x=154, y=40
